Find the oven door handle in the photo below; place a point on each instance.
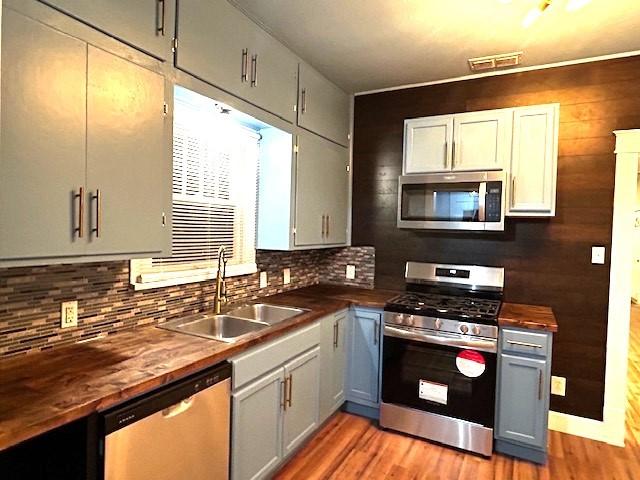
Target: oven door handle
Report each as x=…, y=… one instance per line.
x=484, y=345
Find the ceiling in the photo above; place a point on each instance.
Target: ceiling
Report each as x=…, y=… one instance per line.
x=370, y=44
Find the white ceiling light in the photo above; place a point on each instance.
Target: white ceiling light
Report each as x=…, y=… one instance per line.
x=573, y=5
x=535, y=13
x=502, y=60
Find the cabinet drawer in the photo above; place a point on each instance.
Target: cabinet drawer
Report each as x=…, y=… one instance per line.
x=527, y=342
x=263, y=358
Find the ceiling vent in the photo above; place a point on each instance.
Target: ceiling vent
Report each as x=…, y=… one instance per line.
x=492, y=62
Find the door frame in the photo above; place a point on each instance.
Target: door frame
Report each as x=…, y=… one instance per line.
x=612, y=428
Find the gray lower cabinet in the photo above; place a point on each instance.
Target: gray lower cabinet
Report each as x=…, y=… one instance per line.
x=364, y=349
x=220, y=45
x=333, y=363
x=522, y=409
x=275, y=402
x=147, y=25
x=85, y=162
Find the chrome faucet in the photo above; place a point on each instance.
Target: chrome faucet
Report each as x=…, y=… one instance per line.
x=221, y=282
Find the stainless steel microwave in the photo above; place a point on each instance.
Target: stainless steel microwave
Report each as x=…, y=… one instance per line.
x=452, y=201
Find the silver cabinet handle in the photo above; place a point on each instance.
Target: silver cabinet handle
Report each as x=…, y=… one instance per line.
x=523, y=344
x=254, y=70
x=244, y=76
x=446, y=154
x=284, y=393
x=322, y=226
x=304, y=101
x=328, y=217
x=539, y=384
x=335, y=335
x=161, y=17
x=453, y=155
x=513, y=190
x=80, y=228
x=98, y=200
x=376, y=329
x=290, y=394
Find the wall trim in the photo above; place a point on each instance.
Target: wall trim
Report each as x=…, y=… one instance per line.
x=580, y=426
x=566, y=63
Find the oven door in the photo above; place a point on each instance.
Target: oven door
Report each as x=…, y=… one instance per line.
x=466, y=201
x=445, y=375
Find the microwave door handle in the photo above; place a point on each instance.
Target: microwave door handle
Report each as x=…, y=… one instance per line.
x=482, y=202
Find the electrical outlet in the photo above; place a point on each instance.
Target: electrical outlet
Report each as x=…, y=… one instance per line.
x=263, y=279
x=598, y=255
x=69, y=314
x=286, y=276
x=559, y=386
x=351, y=272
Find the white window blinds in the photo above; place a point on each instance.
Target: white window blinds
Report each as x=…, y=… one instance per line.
x=215, y=162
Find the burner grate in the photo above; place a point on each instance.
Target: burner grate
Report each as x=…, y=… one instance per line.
x=450, y=305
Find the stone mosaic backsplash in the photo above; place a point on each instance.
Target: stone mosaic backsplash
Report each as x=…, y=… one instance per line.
x=30, y=297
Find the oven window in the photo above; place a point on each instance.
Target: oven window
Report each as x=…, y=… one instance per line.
x=457, y=202
x=427, y=377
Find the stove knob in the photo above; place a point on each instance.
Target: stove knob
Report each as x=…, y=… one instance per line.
x=464, y=329
x=476, y=330
x=438, y=324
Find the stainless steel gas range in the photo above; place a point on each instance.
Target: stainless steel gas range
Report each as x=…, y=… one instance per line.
x=440, y=354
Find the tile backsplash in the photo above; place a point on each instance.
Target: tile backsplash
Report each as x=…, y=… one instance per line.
x=30, y=297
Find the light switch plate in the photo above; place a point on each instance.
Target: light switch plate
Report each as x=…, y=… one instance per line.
x=263, y=279
x=598, y=255
x=558, y=386
x=69, y=314
x=286, y=276
x=351, y=272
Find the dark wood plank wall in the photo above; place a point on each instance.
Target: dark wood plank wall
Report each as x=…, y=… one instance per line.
x=547, y=261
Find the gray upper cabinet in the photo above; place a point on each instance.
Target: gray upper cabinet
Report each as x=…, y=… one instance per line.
x=333, y=363
x=364, y=358
x=221, y=46
x=322, y=191
x=42, y=163
x=323, y=108
x=85, y=153
x=128, y=169
x=144, y=24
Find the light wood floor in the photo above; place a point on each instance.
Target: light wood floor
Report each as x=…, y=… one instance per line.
x=350, y=447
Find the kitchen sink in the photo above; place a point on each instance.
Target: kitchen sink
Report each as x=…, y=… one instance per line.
x=225, y=328
x=265, y=313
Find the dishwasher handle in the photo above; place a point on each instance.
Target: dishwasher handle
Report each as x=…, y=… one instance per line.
x=171, y=400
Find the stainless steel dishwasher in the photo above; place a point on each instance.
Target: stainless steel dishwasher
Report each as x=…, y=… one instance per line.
x=179, y=432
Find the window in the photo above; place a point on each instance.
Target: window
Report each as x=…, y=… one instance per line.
x=215, y=175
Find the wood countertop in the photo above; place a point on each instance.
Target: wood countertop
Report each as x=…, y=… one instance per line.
x=43, y=391
x=532, y=317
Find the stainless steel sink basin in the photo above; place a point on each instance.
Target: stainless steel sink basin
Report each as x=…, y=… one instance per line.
x=226, y=328
x=265, y=313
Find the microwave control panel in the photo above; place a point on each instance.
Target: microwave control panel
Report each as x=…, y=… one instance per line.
x=494, y=202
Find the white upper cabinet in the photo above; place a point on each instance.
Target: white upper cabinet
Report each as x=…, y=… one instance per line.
x=531, y=190
x=427, y=144
x=459, y=142
x=482, y=140
x=146, y=25
x=221, y=46
x=323, y=107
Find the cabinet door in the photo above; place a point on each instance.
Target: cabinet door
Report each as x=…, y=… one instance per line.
x=128, y=157
x=532, y=190
x=301, y=413
x=428, y=144
x=364, y=358
x=42, y=162
x=214, y=39
x=311, y=182
x=482, y=140
x=256, y=434
x=332, y=364
x=273, y=76
x=147, y=25
x=322, y=107
x=522, y=411
x=336, y=193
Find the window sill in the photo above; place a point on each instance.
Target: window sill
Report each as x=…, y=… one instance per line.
x=163, y=280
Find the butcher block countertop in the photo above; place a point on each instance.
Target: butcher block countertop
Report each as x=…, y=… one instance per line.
x=533, y=317
x=43, y=391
